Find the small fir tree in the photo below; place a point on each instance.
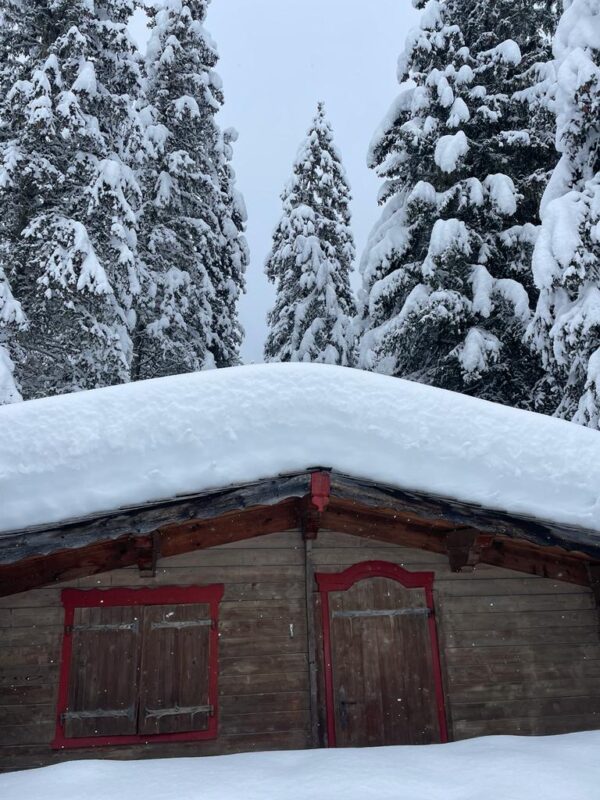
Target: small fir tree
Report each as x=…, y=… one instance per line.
x=191, y=235
x=446, y=283
x=565, y=330
x=312, y=256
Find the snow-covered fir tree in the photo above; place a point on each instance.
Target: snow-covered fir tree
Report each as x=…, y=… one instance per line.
x=12, y=319
x=312, y=256
x=69, y=195
x=19, y=45
x=446, y=273
x=566, y=265
x=191, y=230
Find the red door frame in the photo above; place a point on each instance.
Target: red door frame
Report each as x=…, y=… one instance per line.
x=168, y=595
x=340, y=582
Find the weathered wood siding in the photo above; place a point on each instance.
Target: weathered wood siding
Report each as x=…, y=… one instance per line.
x=519, y=654
x=263, y=680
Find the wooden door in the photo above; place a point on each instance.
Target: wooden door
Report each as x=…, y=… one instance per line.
x=382, y=664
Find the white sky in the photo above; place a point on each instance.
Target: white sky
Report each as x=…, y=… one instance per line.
x=278, y=59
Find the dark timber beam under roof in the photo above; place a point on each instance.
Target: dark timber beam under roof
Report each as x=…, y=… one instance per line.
x=466, y=533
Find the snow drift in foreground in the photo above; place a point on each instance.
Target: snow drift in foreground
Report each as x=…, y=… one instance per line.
x=495, y=768
x=64, y=457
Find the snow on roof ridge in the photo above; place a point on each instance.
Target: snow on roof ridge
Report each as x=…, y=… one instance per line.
x=93, y=452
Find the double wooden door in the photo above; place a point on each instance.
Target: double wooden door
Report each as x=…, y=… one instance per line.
x=381, y=662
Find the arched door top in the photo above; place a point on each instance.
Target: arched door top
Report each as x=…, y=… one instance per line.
x=341, y=581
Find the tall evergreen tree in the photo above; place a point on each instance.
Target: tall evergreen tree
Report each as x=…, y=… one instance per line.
x=11, y=320
x=311, y=258
x=191, y=236
x=446, y=276
x=566, y=327
x=68, y=194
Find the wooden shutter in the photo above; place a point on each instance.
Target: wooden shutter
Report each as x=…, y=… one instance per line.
x=174, y=682
x=103, y=676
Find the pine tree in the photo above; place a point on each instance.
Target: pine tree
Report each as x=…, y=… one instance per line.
x=311, y=257
x=233, y=259
x=565, y=330
x=11, y=320
x=191, y=237
x=446, y=279
x=69, y=196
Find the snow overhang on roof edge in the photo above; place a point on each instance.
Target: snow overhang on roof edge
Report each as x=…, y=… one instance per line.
x=95, y=452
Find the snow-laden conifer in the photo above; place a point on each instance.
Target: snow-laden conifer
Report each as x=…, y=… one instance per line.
x=191, y=235
x=312, y=256
x=12, y=319
x=446, y=282
x=566, y=326
x=69, y=195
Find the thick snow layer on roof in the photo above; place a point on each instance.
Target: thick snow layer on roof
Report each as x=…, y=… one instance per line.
x=79, y=454
x=495, y=768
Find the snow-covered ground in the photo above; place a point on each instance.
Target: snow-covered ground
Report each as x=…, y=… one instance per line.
x=494, y=768
x=64, y=457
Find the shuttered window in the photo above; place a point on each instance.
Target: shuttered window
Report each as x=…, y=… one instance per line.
x=138, y=665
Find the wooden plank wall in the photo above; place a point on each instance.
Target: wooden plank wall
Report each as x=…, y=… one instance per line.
x=263, y=681
x=520, y=654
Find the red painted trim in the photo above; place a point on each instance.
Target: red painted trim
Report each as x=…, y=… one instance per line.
x=341, y=582
x=173, y=595
x=329, y=690
x=320, y=490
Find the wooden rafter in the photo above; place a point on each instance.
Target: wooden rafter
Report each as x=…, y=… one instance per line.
x=371, y=513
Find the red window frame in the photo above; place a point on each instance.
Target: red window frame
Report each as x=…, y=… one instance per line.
x=168, y=595
x=340, y=582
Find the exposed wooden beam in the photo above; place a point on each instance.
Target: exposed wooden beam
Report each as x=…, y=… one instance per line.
x=433, y=510
x=128, y=551
x=148, y=553
x=246, y=524
x=348, y=517
x=593, y=570
x=66, y=565
x=501, y=551
x=145, y=519
x=545, y=562
x=413, y=507
x=465, y=547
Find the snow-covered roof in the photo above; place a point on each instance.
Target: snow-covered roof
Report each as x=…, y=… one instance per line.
x=93, y=452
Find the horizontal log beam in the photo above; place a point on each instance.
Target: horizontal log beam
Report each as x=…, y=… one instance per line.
x=465, y=548
x=341, y=515
x=247, y=524
x=135, y=550
x=499, y=551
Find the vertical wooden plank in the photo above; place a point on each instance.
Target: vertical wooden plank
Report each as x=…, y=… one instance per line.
x=311, y=642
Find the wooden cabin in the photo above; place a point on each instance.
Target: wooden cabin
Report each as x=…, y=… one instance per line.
x=308, y=609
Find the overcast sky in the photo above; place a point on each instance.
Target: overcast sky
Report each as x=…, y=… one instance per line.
x=278, y=59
